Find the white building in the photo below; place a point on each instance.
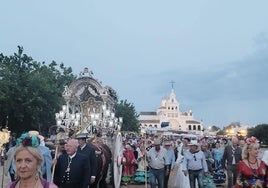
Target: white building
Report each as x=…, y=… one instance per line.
x=169, y=117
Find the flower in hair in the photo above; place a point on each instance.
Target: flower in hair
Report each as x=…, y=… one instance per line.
x=251, y=140
x=27, y=140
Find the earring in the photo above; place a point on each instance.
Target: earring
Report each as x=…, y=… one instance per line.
x=16, y=176
x=37, y=175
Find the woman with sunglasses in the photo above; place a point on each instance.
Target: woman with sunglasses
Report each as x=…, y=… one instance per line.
x=251, y=171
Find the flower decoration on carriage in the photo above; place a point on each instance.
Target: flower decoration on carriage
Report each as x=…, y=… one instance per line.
x=252, y=140
x=27, y=140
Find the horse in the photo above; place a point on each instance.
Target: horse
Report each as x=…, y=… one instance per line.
x=104, y=159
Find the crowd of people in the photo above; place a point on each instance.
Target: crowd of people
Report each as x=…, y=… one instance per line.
x=203, y=163
x=206, y=162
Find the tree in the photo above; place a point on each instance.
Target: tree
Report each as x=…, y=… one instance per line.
x=129, y=114
x=260, y=132
x=214, y=128
x=31, y=92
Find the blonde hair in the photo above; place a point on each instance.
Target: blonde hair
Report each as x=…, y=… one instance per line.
x=245, y=153
x=32, y=150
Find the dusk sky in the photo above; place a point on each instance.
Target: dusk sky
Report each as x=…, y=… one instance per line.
x=216, y=52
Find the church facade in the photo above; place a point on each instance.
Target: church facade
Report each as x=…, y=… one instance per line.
x=169, y=117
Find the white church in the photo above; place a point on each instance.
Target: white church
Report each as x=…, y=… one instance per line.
x=169, y=117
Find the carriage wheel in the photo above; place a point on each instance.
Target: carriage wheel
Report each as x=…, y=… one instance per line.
x=118, y=157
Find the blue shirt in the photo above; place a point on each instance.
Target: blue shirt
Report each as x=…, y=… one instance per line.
x=171, y=157
x=217, y=153
x=47, y=162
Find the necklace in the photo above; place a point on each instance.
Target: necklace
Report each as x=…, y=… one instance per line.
x=254, y=170
x=69, y=164
x=249, y=162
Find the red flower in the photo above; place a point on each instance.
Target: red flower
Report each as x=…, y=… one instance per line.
x=251, y=140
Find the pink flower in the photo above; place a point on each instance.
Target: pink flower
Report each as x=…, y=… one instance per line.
x=251, y=140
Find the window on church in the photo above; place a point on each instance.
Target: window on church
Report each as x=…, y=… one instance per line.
x=169, y=108
x=194, y=127
x=155, y=126
x=199, y=127
x=150, y=125
x=189, y=127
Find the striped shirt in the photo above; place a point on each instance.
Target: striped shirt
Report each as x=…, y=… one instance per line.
x=157, y=159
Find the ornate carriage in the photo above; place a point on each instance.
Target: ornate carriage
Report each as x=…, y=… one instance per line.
x=89, y=109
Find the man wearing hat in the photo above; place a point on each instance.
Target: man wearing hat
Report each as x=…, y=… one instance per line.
x=158, y=164
x=88, y=150
x=171, y=158
x=194, y=164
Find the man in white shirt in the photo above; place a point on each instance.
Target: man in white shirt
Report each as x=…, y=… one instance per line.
x=194, y=164
x=158, y=164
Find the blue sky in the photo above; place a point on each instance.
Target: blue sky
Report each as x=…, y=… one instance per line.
x=214, y=51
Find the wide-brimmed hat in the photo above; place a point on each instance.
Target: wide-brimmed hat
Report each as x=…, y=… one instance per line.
x=193, y=143
x=33, y=133
x=36, y=133
x=167, y=143
x=265, y=157
x=157, y=142
x=81, y=136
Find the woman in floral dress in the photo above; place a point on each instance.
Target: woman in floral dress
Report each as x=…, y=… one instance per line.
x=251, y=170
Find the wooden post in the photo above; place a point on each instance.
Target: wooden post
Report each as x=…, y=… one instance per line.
x=54, y=165
x=59, y=136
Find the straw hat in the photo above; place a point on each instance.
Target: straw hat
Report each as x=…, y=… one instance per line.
x=33, y=133
x=167, y=143
x=36, y=133
x=81, y=136
x=193, y=143
x=157, y=142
